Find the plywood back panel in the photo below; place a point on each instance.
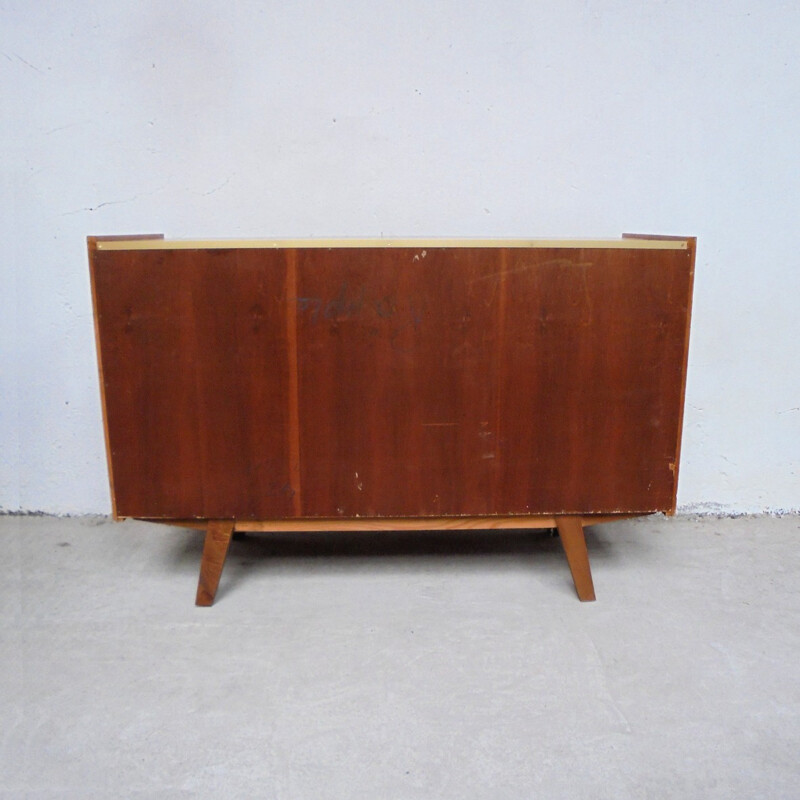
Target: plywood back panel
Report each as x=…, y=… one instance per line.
x=411, y=380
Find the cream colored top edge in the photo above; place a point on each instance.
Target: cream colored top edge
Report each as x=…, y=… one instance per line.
x=290, y=244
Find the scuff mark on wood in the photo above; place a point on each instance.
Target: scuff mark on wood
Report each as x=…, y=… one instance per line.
x=554, y=262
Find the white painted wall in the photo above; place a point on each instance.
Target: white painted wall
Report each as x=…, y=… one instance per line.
x=354, y=118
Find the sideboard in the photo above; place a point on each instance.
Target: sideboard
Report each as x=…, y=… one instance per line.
x=391, y=384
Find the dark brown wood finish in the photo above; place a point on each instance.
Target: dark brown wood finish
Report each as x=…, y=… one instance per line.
x=397, y=382
x=593, y=382
x=491, y=381
x=409, y=381
x=195, y=366
x=91, y=243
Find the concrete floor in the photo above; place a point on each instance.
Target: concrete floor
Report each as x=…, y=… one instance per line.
x=401, y=666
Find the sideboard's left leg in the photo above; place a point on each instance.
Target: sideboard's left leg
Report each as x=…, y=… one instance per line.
x=215, y=549
x=570, y=529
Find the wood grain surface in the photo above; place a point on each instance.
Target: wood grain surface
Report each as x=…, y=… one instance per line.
x=403, y=382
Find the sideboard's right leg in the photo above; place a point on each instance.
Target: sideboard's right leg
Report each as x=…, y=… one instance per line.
x=570, y=529
x=215, y=549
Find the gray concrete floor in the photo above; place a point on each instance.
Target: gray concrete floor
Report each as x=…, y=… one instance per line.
x=401, y=666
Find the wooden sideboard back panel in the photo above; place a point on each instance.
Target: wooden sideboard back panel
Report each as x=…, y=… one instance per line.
x=271, y=382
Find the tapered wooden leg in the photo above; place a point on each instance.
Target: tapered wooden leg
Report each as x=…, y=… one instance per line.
x=570, y=529
x=218, y=538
